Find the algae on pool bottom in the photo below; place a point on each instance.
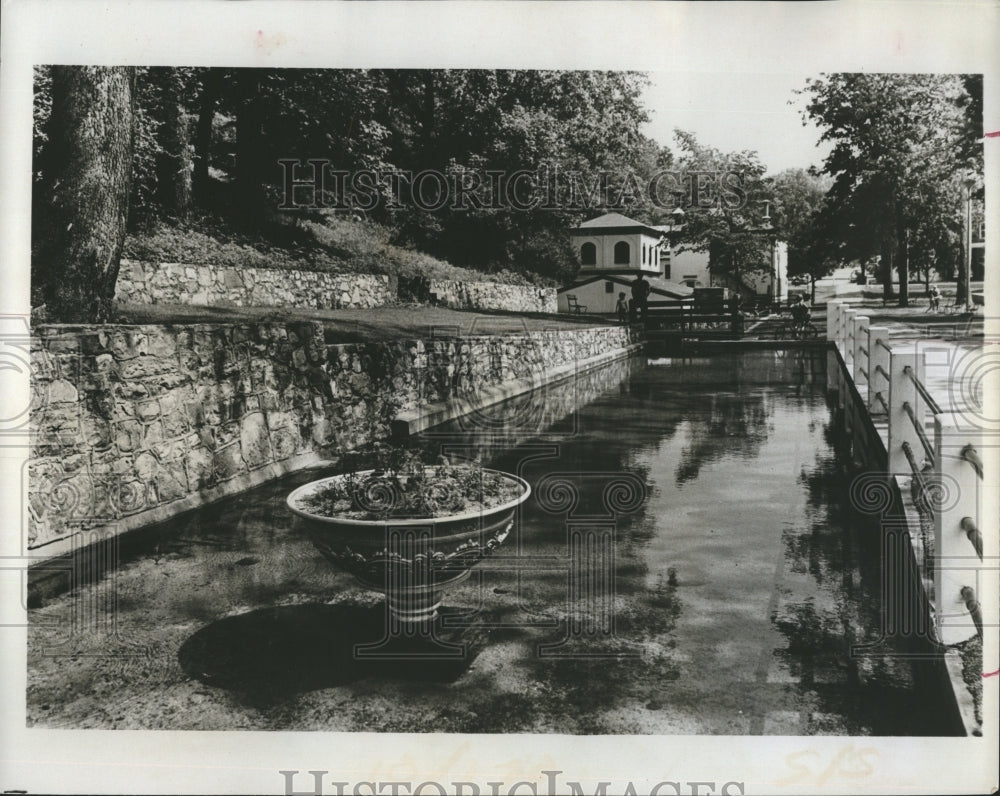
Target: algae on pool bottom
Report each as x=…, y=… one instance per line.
x=742, y=579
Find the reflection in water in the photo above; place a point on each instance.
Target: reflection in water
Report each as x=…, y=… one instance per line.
x=741, y=580
x=772, y=575
x=735, y=426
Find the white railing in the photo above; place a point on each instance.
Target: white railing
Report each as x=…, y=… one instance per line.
x=944, y=464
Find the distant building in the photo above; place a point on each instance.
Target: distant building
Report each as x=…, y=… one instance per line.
x=685, y=267
x=599, y=294
x=614, y=250
x=774, y=281
x=616, y=244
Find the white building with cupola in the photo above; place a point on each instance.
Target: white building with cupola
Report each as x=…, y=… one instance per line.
x=613, y=250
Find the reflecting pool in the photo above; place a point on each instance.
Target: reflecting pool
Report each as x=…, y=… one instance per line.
x=689, y=563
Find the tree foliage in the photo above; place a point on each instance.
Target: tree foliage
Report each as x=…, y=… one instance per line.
x=731, y=226
x=209, y=141
x=901, y=145
x=799, y=195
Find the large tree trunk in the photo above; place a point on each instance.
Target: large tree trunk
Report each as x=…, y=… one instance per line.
x=962, y=282
x=903, y=265
x=885, y=272
x=87, y=173
x=250, y=166
x=428, y=115
x=210, y=87
x=174, y=162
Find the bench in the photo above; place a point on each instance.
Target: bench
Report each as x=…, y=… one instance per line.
x=574, y=305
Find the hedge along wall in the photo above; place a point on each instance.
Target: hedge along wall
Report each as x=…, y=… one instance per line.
x=223, y=286
x=133, y=424
x=494, y=296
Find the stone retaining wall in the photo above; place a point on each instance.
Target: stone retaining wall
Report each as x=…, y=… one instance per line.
x=142, y=282
x=207, y=285
x=494, y=296
x=132, y=424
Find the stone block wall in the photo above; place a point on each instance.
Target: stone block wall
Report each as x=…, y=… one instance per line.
x=134, y=423
x=207, y=285
x=142, y=282
x=494, y=296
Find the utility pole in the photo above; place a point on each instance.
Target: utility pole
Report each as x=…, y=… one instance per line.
x=967, y=265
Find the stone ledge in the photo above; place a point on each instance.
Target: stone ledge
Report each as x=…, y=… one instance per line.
x=493, y=296
x=205, y=284
x=414, y=421
x=67, y=544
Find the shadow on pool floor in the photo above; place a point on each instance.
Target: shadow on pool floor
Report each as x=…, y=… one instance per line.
x=272, y=653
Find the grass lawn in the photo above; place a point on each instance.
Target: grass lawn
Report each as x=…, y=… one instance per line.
x=366, y=325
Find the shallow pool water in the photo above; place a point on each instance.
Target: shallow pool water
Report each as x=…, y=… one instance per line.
x=688, y=563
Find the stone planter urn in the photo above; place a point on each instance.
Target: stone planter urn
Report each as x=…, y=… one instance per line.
x=412, y=559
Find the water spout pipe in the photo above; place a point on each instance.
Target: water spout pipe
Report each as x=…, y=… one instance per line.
x=971, y=455
x=972, y=532
x=975, y=609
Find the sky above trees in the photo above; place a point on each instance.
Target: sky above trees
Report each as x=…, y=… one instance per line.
x=737, y=111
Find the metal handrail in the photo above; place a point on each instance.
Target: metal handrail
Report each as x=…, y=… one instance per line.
x=928, y=448
x=972, y=533
x=971, y=455
x=928, y=398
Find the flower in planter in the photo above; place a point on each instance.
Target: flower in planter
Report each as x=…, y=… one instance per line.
x=402, y=486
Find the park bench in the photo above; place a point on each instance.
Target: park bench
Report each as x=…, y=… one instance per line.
x=574, y=305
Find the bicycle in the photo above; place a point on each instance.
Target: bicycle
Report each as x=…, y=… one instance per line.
x=790, y=329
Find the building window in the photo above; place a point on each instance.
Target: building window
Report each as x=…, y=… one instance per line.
x=665, y=261
x=623, y=254
x=588, y=254
x=644, y=252
x=609, y=287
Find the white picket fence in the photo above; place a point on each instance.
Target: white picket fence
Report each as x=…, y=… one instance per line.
x=933, y=439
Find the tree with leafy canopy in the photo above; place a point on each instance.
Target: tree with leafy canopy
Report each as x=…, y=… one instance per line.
x=729, y=225
x=209, y=141
x=900, y=145
x=549, y=123
x=798, y=197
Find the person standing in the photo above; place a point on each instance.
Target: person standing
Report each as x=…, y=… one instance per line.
x=934, y=297
x=640, y=295
x=622, y=308
x=801, y=315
